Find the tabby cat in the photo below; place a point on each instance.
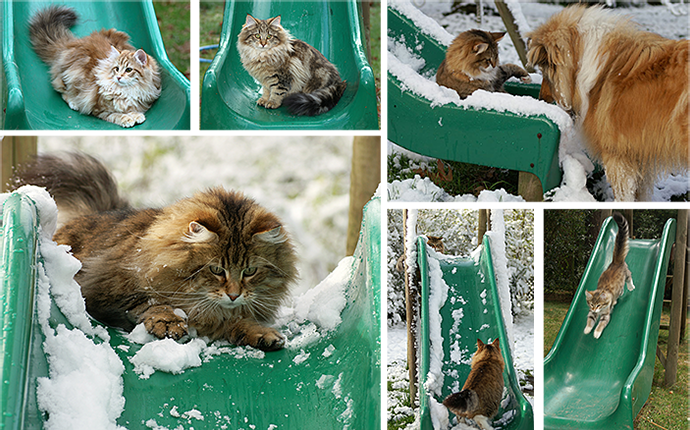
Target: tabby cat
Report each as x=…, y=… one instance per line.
x=610, y=286
x=471, y=64
x=218, y=256
x=481, y=395
x=292, y=72
x=100, y=74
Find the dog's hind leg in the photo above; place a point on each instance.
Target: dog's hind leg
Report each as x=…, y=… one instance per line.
x=623, y=180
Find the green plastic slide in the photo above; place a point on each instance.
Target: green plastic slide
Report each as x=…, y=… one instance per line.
x=29, y=102
x=334, y=27
x=472, y=310
x=478, y=136
x=331, y=383
x=603, y=383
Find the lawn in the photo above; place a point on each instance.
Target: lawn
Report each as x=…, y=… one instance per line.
x=667, y=407
x=173, y=21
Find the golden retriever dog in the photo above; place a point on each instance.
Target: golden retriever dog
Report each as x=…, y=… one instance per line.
x=626, y=88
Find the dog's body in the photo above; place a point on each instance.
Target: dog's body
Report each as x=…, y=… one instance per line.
x=627, y=89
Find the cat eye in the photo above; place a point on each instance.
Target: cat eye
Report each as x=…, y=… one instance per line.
x=249, y=271
x=217, y=270
x=128, y=69
x=258, y=36
x=117, y=69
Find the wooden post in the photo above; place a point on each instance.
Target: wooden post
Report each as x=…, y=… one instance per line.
x=410, y=320
x=677, y=298
x=364, y=179
x=514, y=32
x=15, y=150
x=483, y=221
x=366, y=21
x=529, y=187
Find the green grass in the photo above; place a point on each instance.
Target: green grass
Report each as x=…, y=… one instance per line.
x=667, y=407
x=173, y=21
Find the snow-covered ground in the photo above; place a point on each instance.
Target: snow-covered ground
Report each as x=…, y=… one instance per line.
x=433, y=18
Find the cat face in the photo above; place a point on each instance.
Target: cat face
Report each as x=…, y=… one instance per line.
x=476, y=52
x=127, y=68
x=263, y=34
x=436, y=242
x=224, y=254
x=597, y=300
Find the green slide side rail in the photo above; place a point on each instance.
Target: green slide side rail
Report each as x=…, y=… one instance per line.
x=229, y=93
x=278, y=391
x=30, y=102
x=468, y=281
x=478, y=136
x=603, y=383
x=18, y=342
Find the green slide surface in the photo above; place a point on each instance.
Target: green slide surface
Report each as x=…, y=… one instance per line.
x=603, y=383
x=478, y=136
x=229, y=93
x=289, y=389
x=472, y=294
x=30, y=102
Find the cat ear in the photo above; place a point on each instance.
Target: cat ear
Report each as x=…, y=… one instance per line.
x=274, y=22
x=250, y=21
x=480, y=344
x=589, y=294
x=113, y=51
x=275, y=236
x=141, y=57
x=496, y=343
x=497, y=36
x=197, y=233
x=480, y=47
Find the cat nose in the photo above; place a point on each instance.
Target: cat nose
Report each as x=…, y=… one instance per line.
x=233, y=297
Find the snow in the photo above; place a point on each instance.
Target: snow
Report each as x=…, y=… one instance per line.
x=432, y=18
x=168, y=356
x=500, y=263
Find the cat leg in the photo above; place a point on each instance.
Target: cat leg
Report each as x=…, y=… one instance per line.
x=483, y=422
x=122, y=119
x=591, y=320
x=603, y=322
x=244, y=331
x=162, y=321
x=277, y=87
x=628, y=279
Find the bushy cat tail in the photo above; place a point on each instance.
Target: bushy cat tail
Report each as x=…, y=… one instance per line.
x=49, y=30
x=464, y=401
x=79, y=183
x=620, y=249
x=317, y=102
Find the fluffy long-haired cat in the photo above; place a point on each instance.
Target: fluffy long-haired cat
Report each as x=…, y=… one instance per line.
x=218, y=256
x=627, y=88
x=100, y=74
x=471, y=64
x=610, y=286
x=292, y=72
x=481, y=395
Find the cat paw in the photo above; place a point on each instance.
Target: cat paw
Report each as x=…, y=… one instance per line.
x=166, y=324
x=263, y=338
x=138, y=117
x=588, y=330
x=262, y=101
x=526, y=79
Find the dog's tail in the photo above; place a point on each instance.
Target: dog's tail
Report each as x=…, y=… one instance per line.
x=79, y=183
x=464, y=401
x=316, y=102
x=49, y=30
x=620, y=250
